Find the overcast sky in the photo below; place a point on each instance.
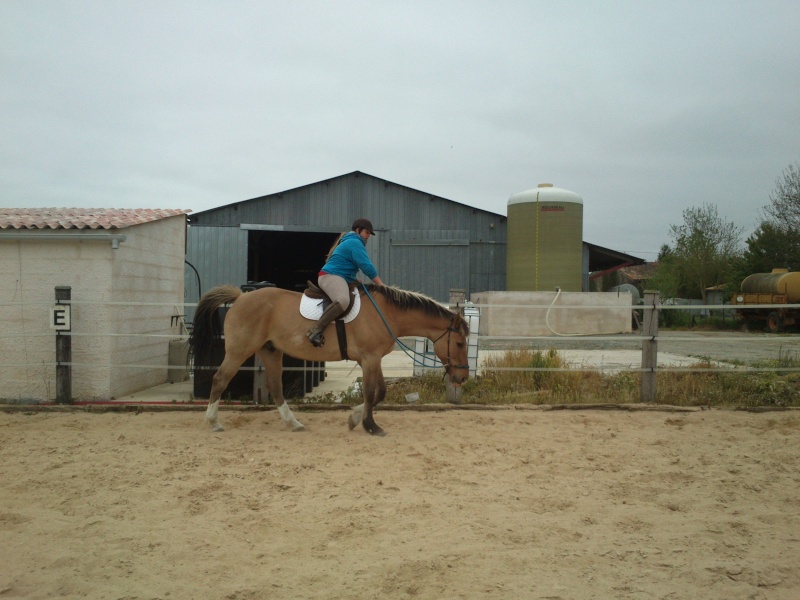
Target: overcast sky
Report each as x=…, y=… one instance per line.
x=643, y=108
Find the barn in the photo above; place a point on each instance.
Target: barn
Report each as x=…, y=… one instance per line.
x=424, y=243
x=122, y=272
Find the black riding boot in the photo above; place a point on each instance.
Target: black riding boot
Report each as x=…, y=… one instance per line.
x=330, y=313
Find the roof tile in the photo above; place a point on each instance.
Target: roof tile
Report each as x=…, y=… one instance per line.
x=82, y=218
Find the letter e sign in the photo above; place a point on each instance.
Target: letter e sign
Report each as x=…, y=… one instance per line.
x=59, y=317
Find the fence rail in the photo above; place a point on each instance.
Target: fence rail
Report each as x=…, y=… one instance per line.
x=647, y=340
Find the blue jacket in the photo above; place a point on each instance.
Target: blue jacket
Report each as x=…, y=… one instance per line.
x=350, y=256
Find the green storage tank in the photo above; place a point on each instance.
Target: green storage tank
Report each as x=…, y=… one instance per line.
x=545, y=240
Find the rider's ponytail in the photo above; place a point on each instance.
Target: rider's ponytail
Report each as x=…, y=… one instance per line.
x=336, y=243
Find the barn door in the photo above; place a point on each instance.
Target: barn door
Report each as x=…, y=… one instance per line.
x=431, y=262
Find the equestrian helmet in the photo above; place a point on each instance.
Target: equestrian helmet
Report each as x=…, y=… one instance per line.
x=363, y=224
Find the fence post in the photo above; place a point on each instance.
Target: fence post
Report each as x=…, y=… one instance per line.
x=64, y=351
x=650, y=346
x=259, y=383
x=453, y=393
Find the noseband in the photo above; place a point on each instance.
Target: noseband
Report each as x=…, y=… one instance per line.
x=450, y=329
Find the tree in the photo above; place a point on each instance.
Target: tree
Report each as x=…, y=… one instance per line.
x=784, y=208
x=770, y=247
x=706, y=246
x=667, y=278
x=776, y=241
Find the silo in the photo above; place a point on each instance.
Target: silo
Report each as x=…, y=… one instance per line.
x=545, y=240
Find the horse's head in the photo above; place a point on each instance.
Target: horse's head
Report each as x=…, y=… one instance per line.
x=451, y=349
x=428, y=317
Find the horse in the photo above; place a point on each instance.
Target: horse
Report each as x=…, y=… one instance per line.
x=267, y=322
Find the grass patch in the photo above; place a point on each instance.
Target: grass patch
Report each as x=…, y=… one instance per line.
x=543, y=377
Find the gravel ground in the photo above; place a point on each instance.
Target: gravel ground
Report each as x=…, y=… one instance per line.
x=732, y=346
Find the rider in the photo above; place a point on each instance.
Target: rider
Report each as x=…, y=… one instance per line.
x=347, y=256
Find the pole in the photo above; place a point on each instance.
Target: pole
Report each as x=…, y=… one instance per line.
x=457, y=299
x=649, y=346
x=63, y=352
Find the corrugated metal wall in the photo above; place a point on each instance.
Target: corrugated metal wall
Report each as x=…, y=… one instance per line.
x=219, y=255
x=430, y=261
x=425, y=243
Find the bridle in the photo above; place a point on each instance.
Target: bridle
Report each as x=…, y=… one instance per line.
x=450, y=329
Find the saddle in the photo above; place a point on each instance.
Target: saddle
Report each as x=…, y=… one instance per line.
x=315, y=292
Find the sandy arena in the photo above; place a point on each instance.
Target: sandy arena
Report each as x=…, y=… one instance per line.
x=453, y=504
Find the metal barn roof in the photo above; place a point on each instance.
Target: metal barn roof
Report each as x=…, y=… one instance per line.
x=605, y=260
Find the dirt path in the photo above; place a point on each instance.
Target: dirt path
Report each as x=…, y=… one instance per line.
x=459, y=504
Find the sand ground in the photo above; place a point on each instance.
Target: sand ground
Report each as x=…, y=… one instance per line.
x=454, y=504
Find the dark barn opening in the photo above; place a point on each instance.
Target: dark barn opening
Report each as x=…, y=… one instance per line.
x=287, y=258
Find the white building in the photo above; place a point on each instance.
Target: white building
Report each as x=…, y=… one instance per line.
x=125, y=268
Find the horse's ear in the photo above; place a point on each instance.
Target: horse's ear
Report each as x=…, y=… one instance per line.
x=458, y=320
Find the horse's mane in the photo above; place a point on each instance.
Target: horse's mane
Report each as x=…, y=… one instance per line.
x=405, y=300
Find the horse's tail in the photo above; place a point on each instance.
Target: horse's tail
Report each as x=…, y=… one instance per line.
x=206, y=326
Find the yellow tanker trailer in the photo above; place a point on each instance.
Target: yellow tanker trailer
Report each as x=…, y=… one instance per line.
x=777, y=288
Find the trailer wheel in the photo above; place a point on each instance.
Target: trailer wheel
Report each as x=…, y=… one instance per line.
x=774, y=322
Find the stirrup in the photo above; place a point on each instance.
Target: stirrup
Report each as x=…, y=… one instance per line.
x=316, y=339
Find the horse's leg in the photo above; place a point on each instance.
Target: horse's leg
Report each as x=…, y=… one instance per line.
x=374, y=392
x=229, y=367
x=273, y=367
x=356, y=416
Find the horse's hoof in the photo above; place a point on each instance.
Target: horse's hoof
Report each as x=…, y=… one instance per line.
x=352, y=422
x=217, y=428
x=298, y=428
x=375, y=430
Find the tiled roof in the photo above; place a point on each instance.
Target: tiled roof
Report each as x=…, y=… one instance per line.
x=82, y=218
x=640, y=272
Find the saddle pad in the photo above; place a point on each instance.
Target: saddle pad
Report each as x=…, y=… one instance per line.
x=311, y=308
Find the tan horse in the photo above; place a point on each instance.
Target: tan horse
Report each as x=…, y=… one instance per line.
x=267, y=322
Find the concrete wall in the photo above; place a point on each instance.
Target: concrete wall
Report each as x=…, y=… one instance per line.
x=147, y=268
x=150, y=271
x=526, y=314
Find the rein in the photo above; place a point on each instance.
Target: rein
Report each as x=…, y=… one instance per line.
x=412, y=354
